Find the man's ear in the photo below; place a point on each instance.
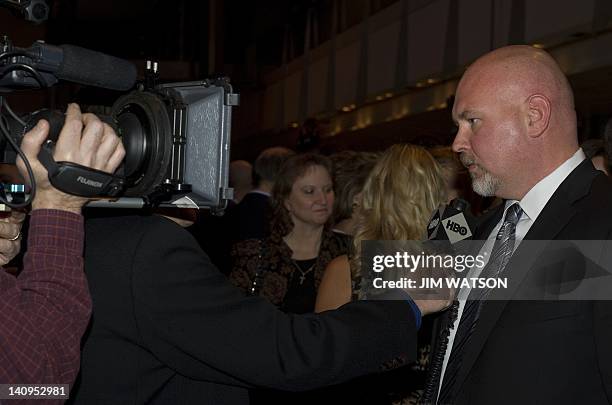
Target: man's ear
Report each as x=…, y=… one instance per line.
x=538, y=115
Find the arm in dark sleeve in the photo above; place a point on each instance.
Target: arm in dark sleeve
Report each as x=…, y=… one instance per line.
x=196, y=322
x=44, y=312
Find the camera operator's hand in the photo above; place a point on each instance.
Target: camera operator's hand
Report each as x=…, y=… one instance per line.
x=433, y=299
x=84, y=140
x=10, y=235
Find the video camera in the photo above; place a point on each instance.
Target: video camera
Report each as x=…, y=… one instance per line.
x=176, y=135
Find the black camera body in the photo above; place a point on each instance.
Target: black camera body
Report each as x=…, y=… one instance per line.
x=176, y=135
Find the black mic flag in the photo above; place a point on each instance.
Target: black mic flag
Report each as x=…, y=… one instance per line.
x=451, y=223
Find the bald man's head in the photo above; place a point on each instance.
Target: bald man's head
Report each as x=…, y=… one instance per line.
x=525, y=70
x=515, y=112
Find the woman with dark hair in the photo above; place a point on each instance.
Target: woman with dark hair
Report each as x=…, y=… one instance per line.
x=287, y=266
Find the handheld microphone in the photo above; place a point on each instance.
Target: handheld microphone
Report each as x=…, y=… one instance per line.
x=449, y=223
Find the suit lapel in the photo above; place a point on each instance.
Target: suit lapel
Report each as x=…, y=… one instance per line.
x=557, y=213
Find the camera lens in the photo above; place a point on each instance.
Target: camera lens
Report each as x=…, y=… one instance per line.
x=145, y=132
x=134, y=140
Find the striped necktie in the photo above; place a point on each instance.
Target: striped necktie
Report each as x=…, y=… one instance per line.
x=500, y=256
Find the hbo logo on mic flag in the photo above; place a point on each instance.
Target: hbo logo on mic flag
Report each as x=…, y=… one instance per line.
x=456, y=228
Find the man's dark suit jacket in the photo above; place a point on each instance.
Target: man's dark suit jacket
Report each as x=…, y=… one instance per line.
x=536, y=352
x=168, y=328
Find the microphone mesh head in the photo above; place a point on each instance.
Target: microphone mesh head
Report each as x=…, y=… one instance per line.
x=92, y=68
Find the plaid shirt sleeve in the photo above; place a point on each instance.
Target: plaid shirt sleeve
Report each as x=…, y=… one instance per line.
x=44, y=311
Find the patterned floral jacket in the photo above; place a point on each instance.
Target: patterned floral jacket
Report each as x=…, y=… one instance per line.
x=272, y=256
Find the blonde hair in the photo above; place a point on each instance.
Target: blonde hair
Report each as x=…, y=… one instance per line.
x=401, y=192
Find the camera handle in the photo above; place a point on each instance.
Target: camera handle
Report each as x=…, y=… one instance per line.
x=70, y=177
x=78, y=180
